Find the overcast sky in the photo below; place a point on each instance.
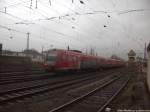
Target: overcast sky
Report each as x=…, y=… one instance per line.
x=108, y=26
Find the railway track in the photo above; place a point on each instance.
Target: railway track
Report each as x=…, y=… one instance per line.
x=27, y=76
x=40, y=88
x=7, y=86
x=20, y=72
x=19, y=68
x=95, y=100
x=18, y=77
x=23, y=78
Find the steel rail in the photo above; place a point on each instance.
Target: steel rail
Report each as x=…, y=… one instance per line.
x=40, y=85
x=29, y=92
x=83, y=96
x=114, y=96
x=18, y=72
x=24, y=78
x=14, y=72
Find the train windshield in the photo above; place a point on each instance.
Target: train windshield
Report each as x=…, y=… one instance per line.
x=51, y=57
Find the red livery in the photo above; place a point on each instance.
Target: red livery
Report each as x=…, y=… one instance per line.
x=62, y=60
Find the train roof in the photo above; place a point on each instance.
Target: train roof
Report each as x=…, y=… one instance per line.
x=69, y=51
x=77, y=52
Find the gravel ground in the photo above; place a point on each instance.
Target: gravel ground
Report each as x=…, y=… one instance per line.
x=49, y=100
x=135, y=95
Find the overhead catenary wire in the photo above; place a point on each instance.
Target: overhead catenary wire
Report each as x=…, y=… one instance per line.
x=132, y=10
x=60, y=23
x=79, y=14
x=59, y=33
x=62, y=34
x=75, y=13
x=17, y=31
x=29, y=22
x=13, y=16
x=5, y=27
x=91, y=13
x=78, y=32
x=129, y=11
x=15, y=4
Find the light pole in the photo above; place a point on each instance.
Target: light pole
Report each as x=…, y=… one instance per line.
x=27, y=49
x=28, y=35
x=0, y=49
x=148, y=67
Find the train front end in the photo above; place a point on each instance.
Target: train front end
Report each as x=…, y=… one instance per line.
x=50, y=61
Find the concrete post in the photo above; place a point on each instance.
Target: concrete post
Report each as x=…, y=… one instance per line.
x=148, y=67
x=0, y=49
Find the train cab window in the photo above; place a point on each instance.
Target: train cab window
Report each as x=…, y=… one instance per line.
x=51, y=57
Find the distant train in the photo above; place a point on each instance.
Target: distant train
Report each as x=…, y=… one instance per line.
x=63, y=60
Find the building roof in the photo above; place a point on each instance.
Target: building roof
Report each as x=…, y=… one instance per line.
x=31, y=51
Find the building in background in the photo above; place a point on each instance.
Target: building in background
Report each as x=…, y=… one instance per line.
x=32, y=53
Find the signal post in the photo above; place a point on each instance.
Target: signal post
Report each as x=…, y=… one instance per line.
x=148, y=67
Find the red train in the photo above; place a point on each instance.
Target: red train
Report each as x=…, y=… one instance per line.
x=63, y=60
